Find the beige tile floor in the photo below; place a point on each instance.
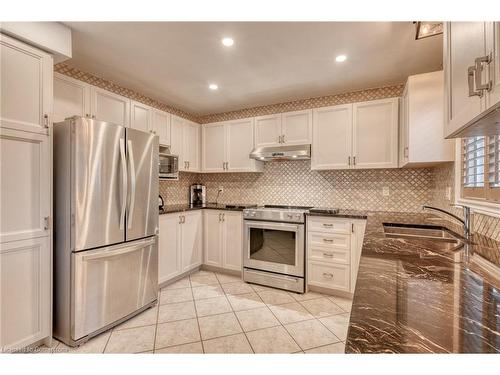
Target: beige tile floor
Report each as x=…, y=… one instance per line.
x=209, y=312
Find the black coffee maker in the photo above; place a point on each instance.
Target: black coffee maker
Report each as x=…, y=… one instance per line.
x=197, y=195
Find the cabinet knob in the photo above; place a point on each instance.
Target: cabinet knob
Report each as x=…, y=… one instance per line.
x=328, y=275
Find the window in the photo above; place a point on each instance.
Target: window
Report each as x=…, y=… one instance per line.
x=481, y=168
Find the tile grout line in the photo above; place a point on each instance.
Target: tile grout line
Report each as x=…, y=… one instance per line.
x=196, y=313
x=156, y=325
x=279, y=321
x=242, y=330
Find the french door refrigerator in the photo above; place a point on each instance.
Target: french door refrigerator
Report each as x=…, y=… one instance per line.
x=105, y=226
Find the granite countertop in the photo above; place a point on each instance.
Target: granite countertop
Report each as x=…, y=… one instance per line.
x=412, y=298
x=173, y=208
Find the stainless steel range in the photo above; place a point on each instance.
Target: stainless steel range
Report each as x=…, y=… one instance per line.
x=274, y=247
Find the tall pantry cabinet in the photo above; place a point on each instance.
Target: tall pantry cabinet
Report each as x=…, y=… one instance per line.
x=25, y=195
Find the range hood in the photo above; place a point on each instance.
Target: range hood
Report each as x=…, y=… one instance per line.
x=484, y=124
x=296, y=152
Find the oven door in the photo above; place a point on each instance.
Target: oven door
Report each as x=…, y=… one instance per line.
x=168, y=166
x=275, y=247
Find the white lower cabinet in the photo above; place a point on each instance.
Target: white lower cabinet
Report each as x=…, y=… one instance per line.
x=333, y=251
x=180, y=244
x=223, y=239
x=25, y=290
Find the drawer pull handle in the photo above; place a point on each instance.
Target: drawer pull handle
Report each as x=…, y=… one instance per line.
x=328, y=255
x=327, y=240
x=327, y=225
x=328, y=275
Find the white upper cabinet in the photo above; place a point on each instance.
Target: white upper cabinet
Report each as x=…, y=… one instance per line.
x=226, y=147
x=296, y=127
x=191, y=147
x=140, y=116
x=471, y=61
x=214, y=147
x=177, y=138
x=422, y=121
x=239, y=144
x=110, y=107
x=25, y=86
x=493, y=49
x=268, y=130
x=375, y=134
x=71, y=98
x=161, y=126
x=289, y=128
x=332, y=137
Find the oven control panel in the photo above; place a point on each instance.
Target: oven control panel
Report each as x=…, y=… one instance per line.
x=282, y=215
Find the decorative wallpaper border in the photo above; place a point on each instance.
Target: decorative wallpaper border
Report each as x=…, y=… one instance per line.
x=92, y=79
x=297, y=105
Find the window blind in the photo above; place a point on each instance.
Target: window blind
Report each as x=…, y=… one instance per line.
x=494, y=161
x=473, y=158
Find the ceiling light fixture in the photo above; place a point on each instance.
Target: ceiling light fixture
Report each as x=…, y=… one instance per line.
x=341, y=58
x=427, y=29
x=228, y=42
x=213, y=86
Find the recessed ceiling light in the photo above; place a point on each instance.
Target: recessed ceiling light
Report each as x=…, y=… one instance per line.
x=341, y=58
x=213, y=86
x=228, y=42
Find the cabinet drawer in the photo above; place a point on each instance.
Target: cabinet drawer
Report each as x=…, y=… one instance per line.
x=333, y=276
x=329, y=225
x=329, y=240
x=322, y=254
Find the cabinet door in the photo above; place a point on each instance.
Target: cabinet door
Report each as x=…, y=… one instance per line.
x=140, y=116
x=177, y=139
x=212, y=237
x=25, y=177
x=332, y=137
x=71, y=98
x=375, y=134
x=25, y=86
x=191, y=240
x=25, y=292
x=239, y=144
x=161, y=126
x=463, y=43
x=169, y=252
x=297, y=127
x=191, y=146
x=110, y=107
x=404, y=132
x=493, y=48
x=232, y=238
x=359, y=227
x=268, y=130
x=213, y=147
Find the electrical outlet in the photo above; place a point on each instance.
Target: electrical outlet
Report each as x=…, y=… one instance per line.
x=448, y=192
x=385, y=191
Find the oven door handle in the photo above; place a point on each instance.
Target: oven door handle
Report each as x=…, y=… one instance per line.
x=272, y=225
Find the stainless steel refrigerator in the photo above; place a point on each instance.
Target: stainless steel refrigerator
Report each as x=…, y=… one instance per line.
x=105, y=226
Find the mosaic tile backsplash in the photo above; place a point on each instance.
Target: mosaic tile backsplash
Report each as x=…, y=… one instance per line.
x=294, y=183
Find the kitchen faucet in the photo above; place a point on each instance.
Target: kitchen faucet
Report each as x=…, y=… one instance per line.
x=466, y=221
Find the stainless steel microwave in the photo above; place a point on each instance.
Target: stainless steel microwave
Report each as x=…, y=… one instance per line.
x=168, y=165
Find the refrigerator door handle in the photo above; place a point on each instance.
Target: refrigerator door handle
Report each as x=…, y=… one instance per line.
x=124, y=182
x=120, y=251
x=132, y=183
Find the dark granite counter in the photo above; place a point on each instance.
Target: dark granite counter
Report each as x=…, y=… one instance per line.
x=410, y=297
x=173, y=208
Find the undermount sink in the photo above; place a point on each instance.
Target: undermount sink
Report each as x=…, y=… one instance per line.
x=441, y=238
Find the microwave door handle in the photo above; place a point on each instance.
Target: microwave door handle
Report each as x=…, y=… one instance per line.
x=124, y=182
x=132, y=183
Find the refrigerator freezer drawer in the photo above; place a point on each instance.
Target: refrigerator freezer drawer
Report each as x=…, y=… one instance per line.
x=113, y=282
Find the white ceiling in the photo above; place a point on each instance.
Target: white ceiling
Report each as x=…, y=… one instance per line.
x=269, y=63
